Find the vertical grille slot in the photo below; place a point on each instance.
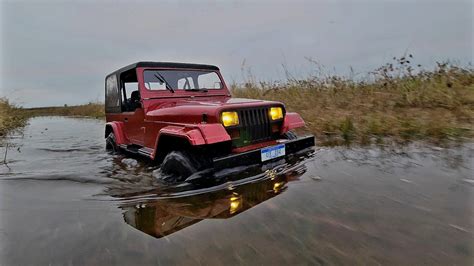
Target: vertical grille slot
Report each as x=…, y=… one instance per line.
x=255, y=124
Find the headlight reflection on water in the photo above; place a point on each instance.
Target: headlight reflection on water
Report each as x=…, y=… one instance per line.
x=278, y=186
x=235, y=203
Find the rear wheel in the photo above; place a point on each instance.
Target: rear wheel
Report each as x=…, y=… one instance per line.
x=110, y=143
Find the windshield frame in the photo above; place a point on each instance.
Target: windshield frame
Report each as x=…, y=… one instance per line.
x=147, y=94
x=177, y=89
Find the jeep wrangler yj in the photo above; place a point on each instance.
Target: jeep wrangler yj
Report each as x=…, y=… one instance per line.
x=183, y=116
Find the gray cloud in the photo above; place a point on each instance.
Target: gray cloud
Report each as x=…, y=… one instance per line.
x=59, y=52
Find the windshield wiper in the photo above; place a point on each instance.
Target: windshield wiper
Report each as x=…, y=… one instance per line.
x=201, y=90
x=162, y=79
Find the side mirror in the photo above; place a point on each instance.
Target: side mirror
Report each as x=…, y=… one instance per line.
x=217, y=85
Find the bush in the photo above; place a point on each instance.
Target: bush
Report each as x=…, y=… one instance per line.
x=11, y=118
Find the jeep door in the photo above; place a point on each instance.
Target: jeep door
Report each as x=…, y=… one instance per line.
x=132, y=108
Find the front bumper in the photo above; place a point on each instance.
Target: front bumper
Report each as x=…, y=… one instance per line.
x=254, y=156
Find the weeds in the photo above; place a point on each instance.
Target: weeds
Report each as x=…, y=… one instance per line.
x=11, y=118
x=400, y=100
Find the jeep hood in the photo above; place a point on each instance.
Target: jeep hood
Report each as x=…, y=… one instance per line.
x=191, y=110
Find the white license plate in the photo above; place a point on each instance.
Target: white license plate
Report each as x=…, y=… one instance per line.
x=272, y=152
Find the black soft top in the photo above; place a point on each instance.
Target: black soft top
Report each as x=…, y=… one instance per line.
x=164, y=65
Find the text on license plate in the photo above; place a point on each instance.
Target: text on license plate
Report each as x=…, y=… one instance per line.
x=272, y=152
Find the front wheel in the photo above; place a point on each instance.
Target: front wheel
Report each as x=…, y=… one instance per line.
x=179, y=165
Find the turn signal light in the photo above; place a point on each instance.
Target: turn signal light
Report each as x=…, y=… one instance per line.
x=276, y=113
x=230, y=119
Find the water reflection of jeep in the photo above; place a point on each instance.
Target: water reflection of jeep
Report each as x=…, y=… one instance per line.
x=183, y=116
x=165, y=216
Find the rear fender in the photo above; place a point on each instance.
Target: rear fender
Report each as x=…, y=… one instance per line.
x=292, y=121
x=195, y=135
x=117, y=128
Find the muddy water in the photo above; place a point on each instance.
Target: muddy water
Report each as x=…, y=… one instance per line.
x=64, y=200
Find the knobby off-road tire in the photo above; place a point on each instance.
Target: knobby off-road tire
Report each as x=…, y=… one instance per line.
x=179, y=165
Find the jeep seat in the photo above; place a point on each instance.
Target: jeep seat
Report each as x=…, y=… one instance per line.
x=134, y=101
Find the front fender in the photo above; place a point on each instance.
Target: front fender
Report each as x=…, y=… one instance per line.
x=192, y=135
x=292, y=121
x=195, y=134
x=198, y=134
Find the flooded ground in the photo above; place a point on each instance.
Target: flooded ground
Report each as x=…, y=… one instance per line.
x=64, y=200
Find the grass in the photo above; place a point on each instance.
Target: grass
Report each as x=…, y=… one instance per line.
x=398, y=100
x=11, y=118
x=92, y=109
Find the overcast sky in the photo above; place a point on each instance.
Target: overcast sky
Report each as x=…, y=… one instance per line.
x=55, y=53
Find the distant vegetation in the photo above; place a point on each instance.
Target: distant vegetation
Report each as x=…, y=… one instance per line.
x=399, y=100
x=92, y=109
x=11, y=118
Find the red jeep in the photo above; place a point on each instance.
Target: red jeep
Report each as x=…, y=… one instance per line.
x=183, y=116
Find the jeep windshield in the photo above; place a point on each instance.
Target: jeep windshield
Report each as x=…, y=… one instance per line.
x=189, y=80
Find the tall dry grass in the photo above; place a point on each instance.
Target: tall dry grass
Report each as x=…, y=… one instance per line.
x=399, y=100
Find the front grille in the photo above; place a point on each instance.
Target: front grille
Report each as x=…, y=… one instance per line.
x=255, y=124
